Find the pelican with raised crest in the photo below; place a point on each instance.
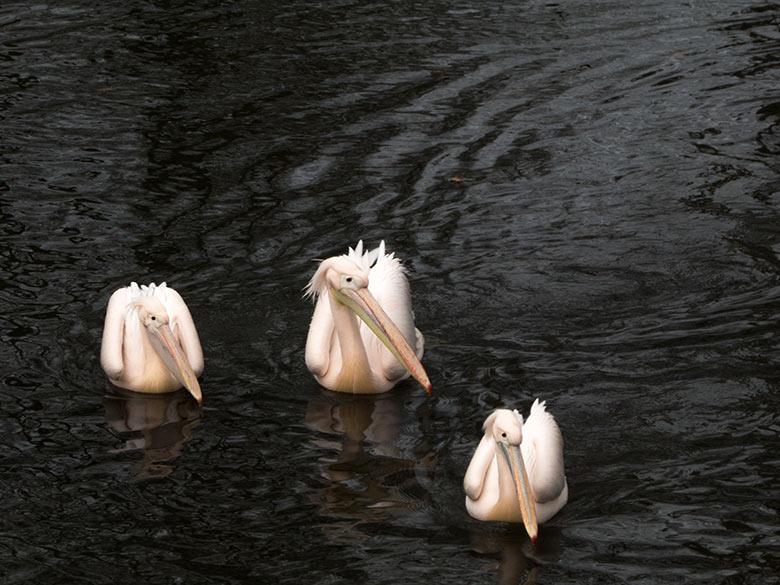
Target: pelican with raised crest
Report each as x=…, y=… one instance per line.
x=371, y=354
x=517, y=474
x=150, y=343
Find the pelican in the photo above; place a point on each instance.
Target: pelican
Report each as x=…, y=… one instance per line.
x=369, y=356
x=516, y=474
x=149, y=341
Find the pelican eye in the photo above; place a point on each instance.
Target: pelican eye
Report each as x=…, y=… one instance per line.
x=503, y=435
x=154, y=318
x=351, y=281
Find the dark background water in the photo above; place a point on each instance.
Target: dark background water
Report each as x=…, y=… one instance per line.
x=613, y=248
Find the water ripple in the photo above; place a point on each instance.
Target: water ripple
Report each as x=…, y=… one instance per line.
x=585, y=199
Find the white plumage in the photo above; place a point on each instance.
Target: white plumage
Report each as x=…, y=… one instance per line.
x=150, y=343
x=371, y=354
x=517, y=471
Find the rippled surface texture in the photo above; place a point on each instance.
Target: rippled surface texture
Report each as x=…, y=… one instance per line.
x=587, y=200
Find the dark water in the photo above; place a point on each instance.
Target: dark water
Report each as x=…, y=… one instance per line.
x=613, y=247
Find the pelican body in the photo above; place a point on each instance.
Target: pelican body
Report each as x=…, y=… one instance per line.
x=362, y=337
x=150, y=343
x=517, y=474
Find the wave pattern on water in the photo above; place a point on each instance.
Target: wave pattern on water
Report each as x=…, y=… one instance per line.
x=585, y=197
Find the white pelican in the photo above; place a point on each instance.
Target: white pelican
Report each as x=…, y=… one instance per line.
x=516, y=474
x=371, y=356
x=149, y=341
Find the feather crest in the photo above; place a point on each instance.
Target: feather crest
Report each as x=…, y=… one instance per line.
x=366, y=260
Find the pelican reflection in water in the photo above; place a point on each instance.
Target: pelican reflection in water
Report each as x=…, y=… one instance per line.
x=160, y=424
x=371, y=354
x=150, y=343
x=369, y=470
x=517, y=474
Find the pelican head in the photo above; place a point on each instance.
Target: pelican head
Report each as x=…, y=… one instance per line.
x=517, y=474
x=149, y=341
x=154, y=318
x=337, y=273
x=344, y=282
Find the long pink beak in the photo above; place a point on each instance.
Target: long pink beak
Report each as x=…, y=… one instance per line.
x=365, y=306
x=172, y=355
x=525, y=495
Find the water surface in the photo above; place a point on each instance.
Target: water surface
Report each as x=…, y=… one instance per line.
x=586, y=198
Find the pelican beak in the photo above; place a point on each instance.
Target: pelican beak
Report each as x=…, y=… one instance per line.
x=172, y=355
x=364, y=305
x=525, y=495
